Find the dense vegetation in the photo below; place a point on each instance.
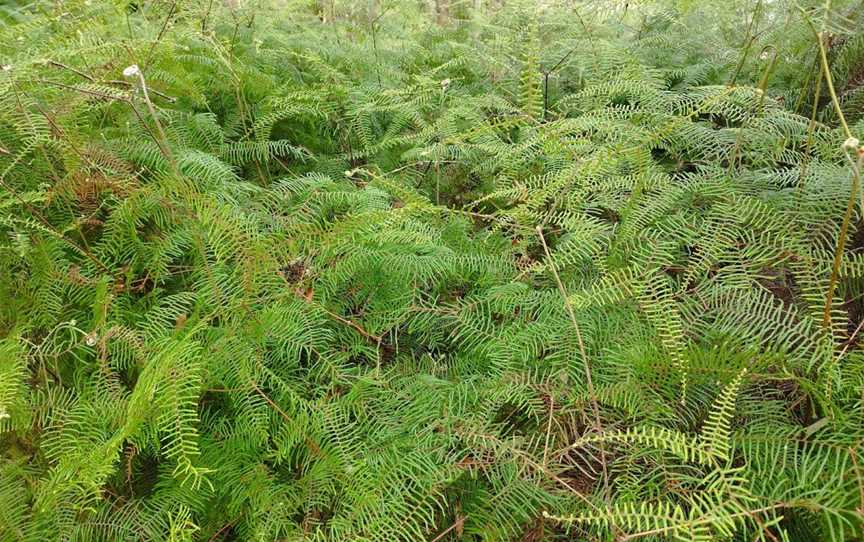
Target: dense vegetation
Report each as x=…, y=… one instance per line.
x=501, y=270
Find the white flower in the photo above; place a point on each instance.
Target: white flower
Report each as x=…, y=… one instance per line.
x=851, y=144
x=91, y=339
x=131, y=71
x=445, y=83
x=6, y=67
x=348, y=173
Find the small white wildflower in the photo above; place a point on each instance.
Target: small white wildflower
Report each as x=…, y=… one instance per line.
x=6, y=67
x=348, y=173
x=91, y=339
x=445, y=84
x=131, y=71
x=73, y=322
x=851, y=144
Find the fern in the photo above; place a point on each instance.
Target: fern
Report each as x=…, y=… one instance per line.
x=295, y=290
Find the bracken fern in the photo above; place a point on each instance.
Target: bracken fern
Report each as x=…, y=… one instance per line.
x=287, y=284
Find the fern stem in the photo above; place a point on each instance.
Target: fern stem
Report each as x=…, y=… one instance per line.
x=850, y=340
x=375, y=44
x=856, y=169
x=206, y=15
x=841, y=243
x=548, y=429
x=854, y=456
x=552, y=70
x=85, y=251
x=766, y=75
x=589, y=381
x=71, y=69
x=811, y=126
x=829, y=79
x=747, y=45
x=703, y=520
x=758, y=108
x=806, y=88
x=823, y=57
x=161, y=33
x=163, y=139
x=456, y=525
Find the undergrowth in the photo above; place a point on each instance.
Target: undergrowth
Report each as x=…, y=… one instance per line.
x=361, y=271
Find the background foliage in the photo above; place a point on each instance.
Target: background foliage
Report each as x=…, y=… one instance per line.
x=456, y=271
